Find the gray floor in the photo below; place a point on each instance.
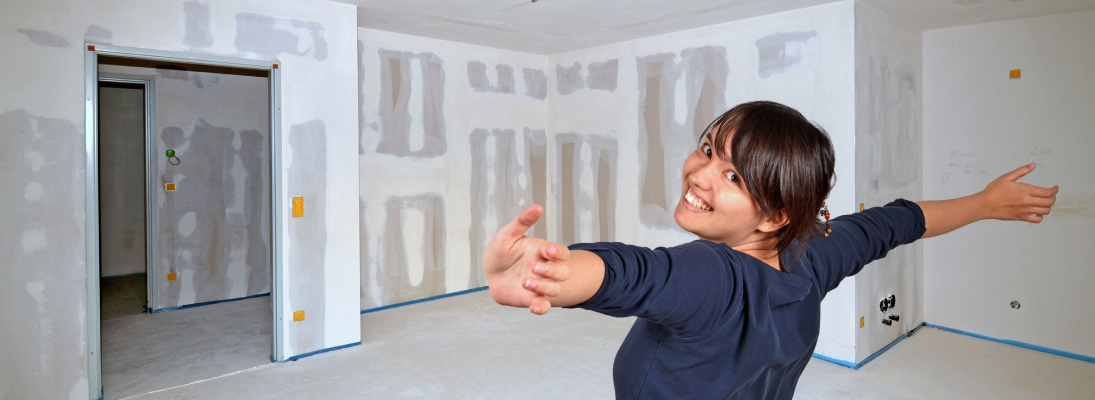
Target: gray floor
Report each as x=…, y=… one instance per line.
x=466, y=347
x=147, y=352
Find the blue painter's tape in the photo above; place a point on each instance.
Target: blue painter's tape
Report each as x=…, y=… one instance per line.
x=1056, y=352
x=106, y=278
x=478, y=289
x=206, y=303
x=859, y=365
x=841, y=363
x=300, y=356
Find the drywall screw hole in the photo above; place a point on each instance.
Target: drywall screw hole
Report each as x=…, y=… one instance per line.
x=1015, y=305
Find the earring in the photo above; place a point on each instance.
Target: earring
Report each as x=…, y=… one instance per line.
x=825, y=213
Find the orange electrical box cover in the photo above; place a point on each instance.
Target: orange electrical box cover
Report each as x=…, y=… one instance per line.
x=1015, y=73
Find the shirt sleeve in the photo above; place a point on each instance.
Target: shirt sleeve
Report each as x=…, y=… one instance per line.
x=688, y=289
x=857, y=239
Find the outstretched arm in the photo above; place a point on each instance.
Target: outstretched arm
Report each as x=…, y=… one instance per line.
x=528, y=272
x=1003, y=199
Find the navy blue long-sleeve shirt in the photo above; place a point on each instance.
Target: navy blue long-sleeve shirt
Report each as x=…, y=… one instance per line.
x=716, y=323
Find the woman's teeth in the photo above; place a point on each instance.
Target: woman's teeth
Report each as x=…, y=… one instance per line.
x=696, y=202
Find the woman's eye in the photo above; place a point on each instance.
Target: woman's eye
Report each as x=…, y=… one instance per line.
x=706, y=149
x=732, y=176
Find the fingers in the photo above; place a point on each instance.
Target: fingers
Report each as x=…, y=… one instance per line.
x=520, y=225
x=540, y=305
x=553, y=252
x=1037, y=219
x=542, y=287
x=1018, y=173
x=557, y=273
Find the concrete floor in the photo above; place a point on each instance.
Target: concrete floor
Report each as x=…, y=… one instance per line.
x=147, y=352
x=467, y=347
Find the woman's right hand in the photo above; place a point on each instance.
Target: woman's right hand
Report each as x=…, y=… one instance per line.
x=524, y=271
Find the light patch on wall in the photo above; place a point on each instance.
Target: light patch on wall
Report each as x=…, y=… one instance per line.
x=43, y=38
x=33, y=191
x=187, y=223
x=199, y=31
x=399, y=84
x=586, y=188
x=498, y=192
x=569, y=79
x=36, y=159
x=535, y=83
x=416, y=136
x=34, y=240
x=98, y=34
x=270, y=37
x=395, y=278
x=782, y=53
x=677, y=100
x=602, y=75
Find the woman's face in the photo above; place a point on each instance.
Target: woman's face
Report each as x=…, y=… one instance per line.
x=715, y=204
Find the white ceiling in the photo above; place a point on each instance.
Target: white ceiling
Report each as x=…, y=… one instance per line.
x=556, y=26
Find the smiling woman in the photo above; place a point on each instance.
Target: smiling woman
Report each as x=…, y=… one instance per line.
x=735, y=314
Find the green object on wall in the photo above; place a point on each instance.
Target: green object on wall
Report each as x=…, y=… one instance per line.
x=170, y=152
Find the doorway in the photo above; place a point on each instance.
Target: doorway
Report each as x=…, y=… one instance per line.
x=182, y=173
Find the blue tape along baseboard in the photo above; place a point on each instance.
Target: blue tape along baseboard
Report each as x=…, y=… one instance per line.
x=309, y=354
x=478, y=289
x=206, y=303
x=1035, y=347
x=849, y=364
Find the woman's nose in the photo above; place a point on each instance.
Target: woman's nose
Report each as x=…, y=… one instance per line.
x=701, y=178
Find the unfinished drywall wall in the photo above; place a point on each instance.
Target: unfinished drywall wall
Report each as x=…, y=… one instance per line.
x=453, y=145
x=585, y=188
x=888, y=166
x=122, y=179
x=979, y=124
x=44, y=275
x=668, y=88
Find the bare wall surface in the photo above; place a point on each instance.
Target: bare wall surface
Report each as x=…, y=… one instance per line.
x=122, y=180
x=888, y=166
x=979, y=124
x=453, y=145
x=44, y=272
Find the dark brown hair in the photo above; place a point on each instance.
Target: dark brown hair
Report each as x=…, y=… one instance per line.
x=785, y=161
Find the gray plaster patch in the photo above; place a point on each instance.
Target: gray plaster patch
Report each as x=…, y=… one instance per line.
x=394, y=110
x=777, y=53
x=478, y=80
x=602, y=75
x=667, y=132
x=366, y=264
x=98, y=34
x=535, y=83
x=200, y=79
x=121, y=180
x=198, y=21
x=43, y=289
x=505, y=180
x=43, y=38
x=894, y=122
x=394, y=275
x=254, y=156
x=569, y=79
x=259, y=34
x=307, y=176
x=586, y=188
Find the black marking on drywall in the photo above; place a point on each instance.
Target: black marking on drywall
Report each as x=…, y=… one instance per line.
x=535, y=83
x=307, y=177
x=569, y=79
x=778, y=52
x=664, y=142
x=393, y=276
x=394, y=108
x=602, y=75
x=43, y=38
x=508, y=197
x=97, y=34
x=199, y=28
x=256, y=33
